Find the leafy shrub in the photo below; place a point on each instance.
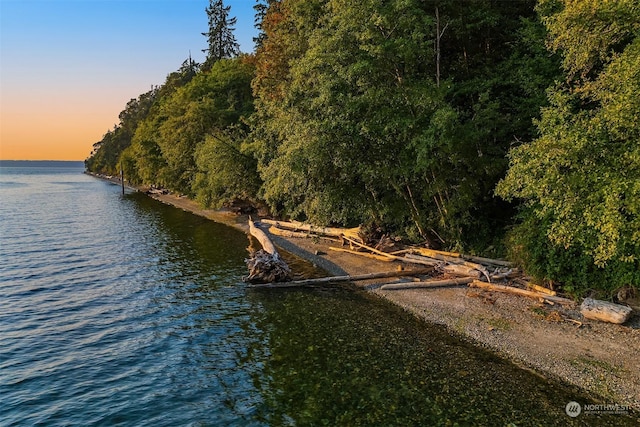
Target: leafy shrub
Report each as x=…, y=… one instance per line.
x=571, y=267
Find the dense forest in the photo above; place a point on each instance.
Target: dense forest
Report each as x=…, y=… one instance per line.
x=494, y=127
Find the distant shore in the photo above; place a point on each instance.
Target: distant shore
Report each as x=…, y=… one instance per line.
x=555, y=342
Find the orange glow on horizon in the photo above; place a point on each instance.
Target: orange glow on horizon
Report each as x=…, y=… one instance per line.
x=46, y=141
x=55, y=127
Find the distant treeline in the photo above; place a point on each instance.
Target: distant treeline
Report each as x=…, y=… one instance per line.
x=500, y=127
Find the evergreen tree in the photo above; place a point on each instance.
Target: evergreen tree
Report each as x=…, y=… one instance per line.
x=221, y=40
x=261, y=7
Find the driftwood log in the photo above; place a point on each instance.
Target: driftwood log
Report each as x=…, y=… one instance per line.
x=456, y=263
x=461, y=270
x=369, y=248
x=338, y=279
x=364, y=254
x=488, y=261
x=353, y=233
x=605, y=311
x=450, y=257
x=265, y=265
x=421, y=259
x=522, y=292
x=457, y=258
x=428, y=284
x=509, y=274
x=287, y=233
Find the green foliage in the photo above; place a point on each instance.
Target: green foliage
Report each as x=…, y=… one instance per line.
x=160, y=133
x=531, y=249
x=401, y=113
x=225, y=173
x=581, y=177
x=166, y=142
x=589, y=33
x=352, y=126
x=106, y=156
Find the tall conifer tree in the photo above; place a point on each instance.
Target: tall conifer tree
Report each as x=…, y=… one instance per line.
x=222, y=42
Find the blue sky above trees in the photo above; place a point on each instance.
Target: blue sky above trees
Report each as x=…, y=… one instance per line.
x=69, y=66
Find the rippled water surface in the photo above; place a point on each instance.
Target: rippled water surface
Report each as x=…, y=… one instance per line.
x=118, y=310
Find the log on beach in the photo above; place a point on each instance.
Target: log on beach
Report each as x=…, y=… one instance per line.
x=522, y=292
x=363, y=254
x=605, y=311
x=265, y=265
x=461, y=270
x=353, y=233
x=428, y=284
x=338, y=279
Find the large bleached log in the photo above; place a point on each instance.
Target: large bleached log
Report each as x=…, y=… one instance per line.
x=457, y=258
x=454, y=258
x=605, y=311
x=287, y=233
x=423, y=259
x=509, y=274
x=450, y=257
x=428, y=284
x=338, y=279
x=461, y=270
x=264, y=240
x=265, y=265
x=419, y=260
x=384, y=256
x=353, y=233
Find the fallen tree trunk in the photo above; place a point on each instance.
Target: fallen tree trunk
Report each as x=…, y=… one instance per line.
x=454, y=259
x=364, y=254
x=428, y=284
x=369, y=248
x=327, y=231
x=383, y=256
x=488, y=261
x=522, y=292
x=264, y=240
x=457, y=258
x=417, y=259
x=265, y=265
x=450, y=257
x=461, y=270
x=605, y=311
x=422, y=259
x=287, y=233
x=511, y=273
x=338, y=279
x=541, y=289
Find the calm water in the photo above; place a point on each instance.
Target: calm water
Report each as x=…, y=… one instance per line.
x=118, y=310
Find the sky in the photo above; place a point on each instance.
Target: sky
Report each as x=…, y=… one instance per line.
x=68, y=67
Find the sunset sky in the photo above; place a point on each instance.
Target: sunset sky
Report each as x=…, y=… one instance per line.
x=68, y=67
